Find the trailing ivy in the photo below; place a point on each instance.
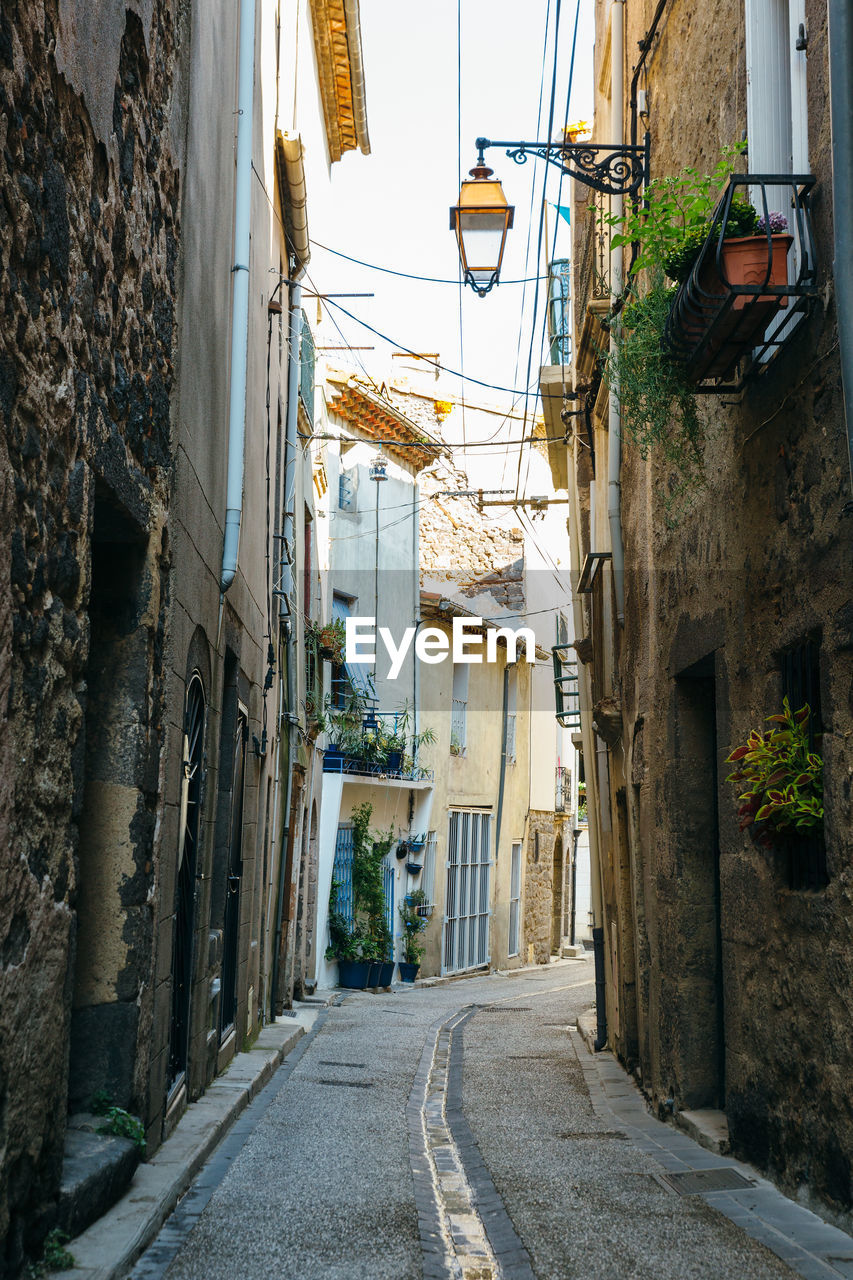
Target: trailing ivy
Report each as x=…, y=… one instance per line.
x=658, y=406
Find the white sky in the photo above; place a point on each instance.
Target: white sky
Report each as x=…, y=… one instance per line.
x=391, y=207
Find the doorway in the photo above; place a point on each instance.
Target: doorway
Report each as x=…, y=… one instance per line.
x=702, y=1047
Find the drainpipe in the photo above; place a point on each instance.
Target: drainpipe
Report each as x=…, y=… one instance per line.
x=614, y=424
x=504, y=714
x=240, y=296
x=840, y=20
x=287, y=604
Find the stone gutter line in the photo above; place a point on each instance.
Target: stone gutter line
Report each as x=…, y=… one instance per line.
x=108, y=1249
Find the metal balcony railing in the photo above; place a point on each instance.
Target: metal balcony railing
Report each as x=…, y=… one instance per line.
x=375, y=745
x=724, y=315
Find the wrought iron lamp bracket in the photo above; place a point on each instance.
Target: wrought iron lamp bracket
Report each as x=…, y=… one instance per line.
x=614, y=169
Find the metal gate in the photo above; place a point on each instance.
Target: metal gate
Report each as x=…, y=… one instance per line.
x=466, y=902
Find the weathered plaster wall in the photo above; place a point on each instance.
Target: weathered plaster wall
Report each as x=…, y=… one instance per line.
x=88, y=248
x=762, y=561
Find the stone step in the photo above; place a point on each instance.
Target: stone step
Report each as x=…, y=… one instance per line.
x=96, y=1171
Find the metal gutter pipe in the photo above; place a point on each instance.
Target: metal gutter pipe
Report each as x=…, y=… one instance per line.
x=502, y=783
x=240, y=296
x=614, y=424
x=840, y=21
x=287, y=601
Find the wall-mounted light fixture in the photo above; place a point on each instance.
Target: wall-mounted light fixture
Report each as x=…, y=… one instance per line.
x=482, y=217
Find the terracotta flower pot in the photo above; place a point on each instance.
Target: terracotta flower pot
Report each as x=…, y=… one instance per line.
x=745, y=263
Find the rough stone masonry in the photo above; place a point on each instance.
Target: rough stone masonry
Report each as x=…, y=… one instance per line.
x=88, y=248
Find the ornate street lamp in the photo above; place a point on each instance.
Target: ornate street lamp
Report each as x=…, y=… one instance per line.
x=481, y=220
x=482, y=217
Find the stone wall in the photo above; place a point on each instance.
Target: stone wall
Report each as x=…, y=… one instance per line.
x=88, y=249
x=543, y=841
x=743, y=993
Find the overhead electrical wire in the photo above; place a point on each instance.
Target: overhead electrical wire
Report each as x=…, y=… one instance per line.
x=432, y=364
x=551, y=105
x=404, y=275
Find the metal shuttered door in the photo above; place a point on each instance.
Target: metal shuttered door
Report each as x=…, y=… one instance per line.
x=466, y=921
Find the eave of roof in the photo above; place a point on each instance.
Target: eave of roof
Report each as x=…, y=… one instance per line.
x=434, y=605
x=376, y=417
x=337, y=41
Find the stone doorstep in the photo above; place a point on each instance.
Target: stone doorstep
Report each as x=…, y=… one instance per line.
x=108, y=1249
x=707, y=1127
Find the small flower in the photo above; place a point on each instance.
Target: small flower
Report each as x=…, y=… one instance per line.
x=778, y=224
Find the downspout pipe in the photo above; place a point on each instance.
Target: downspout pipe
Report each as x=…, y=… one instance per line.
x=239, y=296
x=287, y=605
x=840, y=21
x=614, y=424
x=502, y=782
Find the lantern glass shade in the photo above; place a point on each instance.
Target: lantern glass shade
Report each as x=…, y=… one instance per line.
x=481, y=220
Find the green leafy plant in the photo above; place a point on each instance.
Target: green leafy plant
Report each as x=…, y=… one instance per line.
x=658, y=406
x=368, y=937
x=54, y=1256
x=659, y=410
x=330, y=638
x=675, y=210
x=122, y=1124
x=779, y=778
x=413, y=926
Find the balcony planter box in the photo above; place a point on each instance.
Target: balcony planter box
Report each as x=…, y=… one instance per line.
x=408, y=972
x=712, y=326
x=394, y=762
x=353, y=974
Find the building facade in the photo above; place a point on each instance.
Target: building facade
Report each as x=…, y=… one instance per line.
x=154, y=216
x=697, y=617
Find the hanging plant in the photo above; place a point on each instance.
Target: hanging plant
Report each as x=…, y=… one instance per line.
x=780, y=779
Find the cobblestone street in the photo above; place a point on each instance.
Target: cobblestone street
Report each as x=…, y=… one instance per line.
x=464, y=1130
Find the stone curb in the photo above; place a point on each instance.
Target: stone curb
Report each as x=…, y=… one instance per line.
x=108, y=1249
x=522, y=971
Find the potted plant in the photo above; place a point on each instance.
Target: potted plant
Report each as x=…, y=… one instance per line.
x=331, y=640
x=780, y=779
x=346, y=945
x=413, y=926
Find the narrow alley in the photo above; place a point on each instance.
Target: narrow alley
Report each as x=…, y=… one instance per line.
x=461, y=1130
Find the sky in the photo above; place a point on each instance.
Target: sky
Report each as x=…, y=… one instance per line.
x=391, y=208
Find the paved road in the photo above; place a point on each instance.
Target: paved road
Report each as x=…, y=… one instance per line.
x=446, y=1132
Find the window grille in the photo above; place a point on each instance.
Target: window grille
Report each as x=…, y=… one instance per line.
x=466, y=901
x=806, y=851
x=514, y=899
x=346, y=491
